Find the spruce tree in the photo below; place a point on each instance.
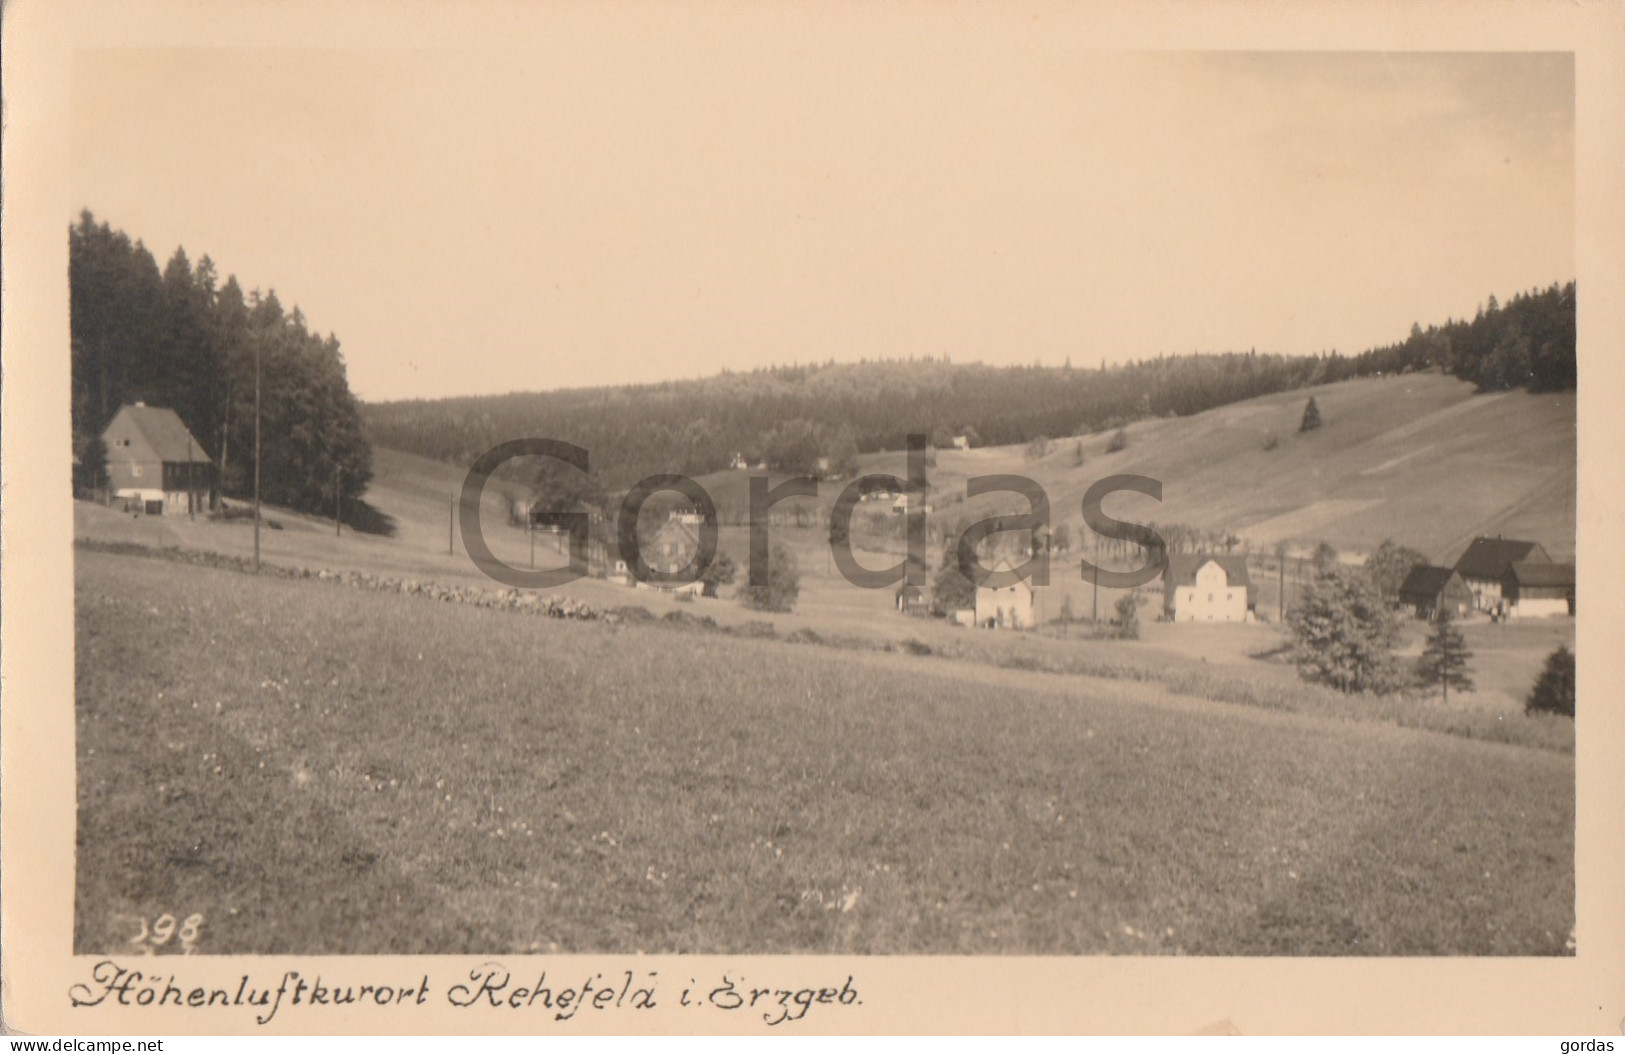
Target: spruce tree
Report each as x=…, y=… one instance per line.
x=1554, y=691
x=1444, y=659
x=1311, y=416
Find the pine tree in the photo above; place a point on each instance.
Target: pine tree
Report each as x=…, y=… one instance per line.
x=1444, y=659
x=1311, y=416
x=1554, y=691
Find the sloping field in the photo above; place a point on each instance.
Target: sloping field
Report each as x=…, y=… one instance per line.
x=1417, y=458
x=320, y=770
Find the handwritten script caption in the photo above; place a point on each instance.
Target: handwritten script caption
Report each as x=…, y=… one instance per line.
x=490, y=987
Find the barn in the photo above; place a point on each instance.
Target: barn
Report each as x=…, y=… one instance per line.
x=1430, y=590
x=1531, y=590
x=1200, y=587
x=154, y=463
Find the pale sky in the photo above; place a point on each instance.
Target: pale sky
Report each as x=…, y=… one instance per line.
x=637, y=204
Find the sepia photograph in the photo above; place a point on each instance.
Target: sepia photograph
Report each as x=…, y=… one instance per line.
x=646, y=490
x=1326, y=302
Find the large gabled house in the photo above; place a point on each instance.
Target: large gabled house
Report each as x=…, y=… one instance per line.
x=671, y=549
x=1005, y=607
x=1487, y=562
x=154, y=463
x=1204, y=587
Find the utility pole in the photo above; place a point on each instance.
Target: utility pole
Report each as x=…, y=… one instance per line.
x=1281, y=614
x=1094, y=592
x=338, y=499
x=191, y=488
x=256, y=455
x=451, y=526
x=530, y=529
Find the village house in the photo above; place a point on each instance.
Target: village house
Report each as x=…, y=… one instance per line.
x=904, y=504
x=1487, y=562
x=961, y=442
x=1205, y=588
x=1005, y=607
x=1431, y=590
x=1532, y=590
x=911, y=600
x=154, y=464
x=669, y=551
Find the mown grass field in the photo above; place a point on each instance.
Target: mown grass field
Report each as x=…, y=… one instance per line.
x=316, y=769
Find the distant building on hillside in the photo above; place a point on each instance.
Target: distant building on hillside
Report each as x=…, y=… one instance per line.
x=1005, y=607
x=1430, y=590
x=1487, y=562
x=1201, y=587
x=153, y=460
x=1531, y=590
x=961, y=442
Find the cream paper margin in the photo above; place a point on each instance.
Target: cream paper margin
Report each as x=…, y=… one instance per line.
x=938, y=994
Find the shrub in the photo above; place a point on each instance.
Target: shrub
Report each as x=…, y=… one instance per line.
x=1119, y=441
x=1554, y=691
x=1038, y=448
x=1128, y=617
x=782, y=587
x=1272, y=441
x=916, y=647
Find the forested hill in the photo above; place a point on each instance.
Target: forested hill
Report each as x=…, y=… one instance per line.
x=789, y=415
x=183, y=339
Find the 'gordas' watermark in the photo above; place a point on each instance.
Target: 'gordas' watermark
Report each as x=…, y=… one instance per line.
x=911, y=569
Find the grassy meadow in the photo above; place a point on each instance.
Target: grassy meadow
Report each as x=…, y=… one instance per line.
x=316, y=769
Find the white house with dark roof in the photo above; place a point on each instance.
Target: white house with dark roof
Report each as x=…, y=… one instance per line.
x=154, y=460
x=1199, y=587
x=1487, y=562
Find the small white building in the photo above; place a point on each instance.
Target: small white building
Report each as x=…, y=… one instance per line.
x=1206, y=588
x=1534, y=590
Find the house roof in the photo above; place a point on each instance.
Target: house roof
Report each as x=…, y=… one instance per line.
x=164, y=432
x=1003, y=564
x=1426, y=581
x=676, y=532
x=1542, y=574
x=1182, y=568
x=1490, y=558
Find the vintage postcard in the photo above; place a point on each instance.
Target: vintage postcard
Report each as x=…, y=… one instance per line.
x=812, y=518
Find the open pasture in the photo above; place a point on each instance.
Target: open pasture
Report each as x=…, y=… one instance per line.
x=321, y=770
